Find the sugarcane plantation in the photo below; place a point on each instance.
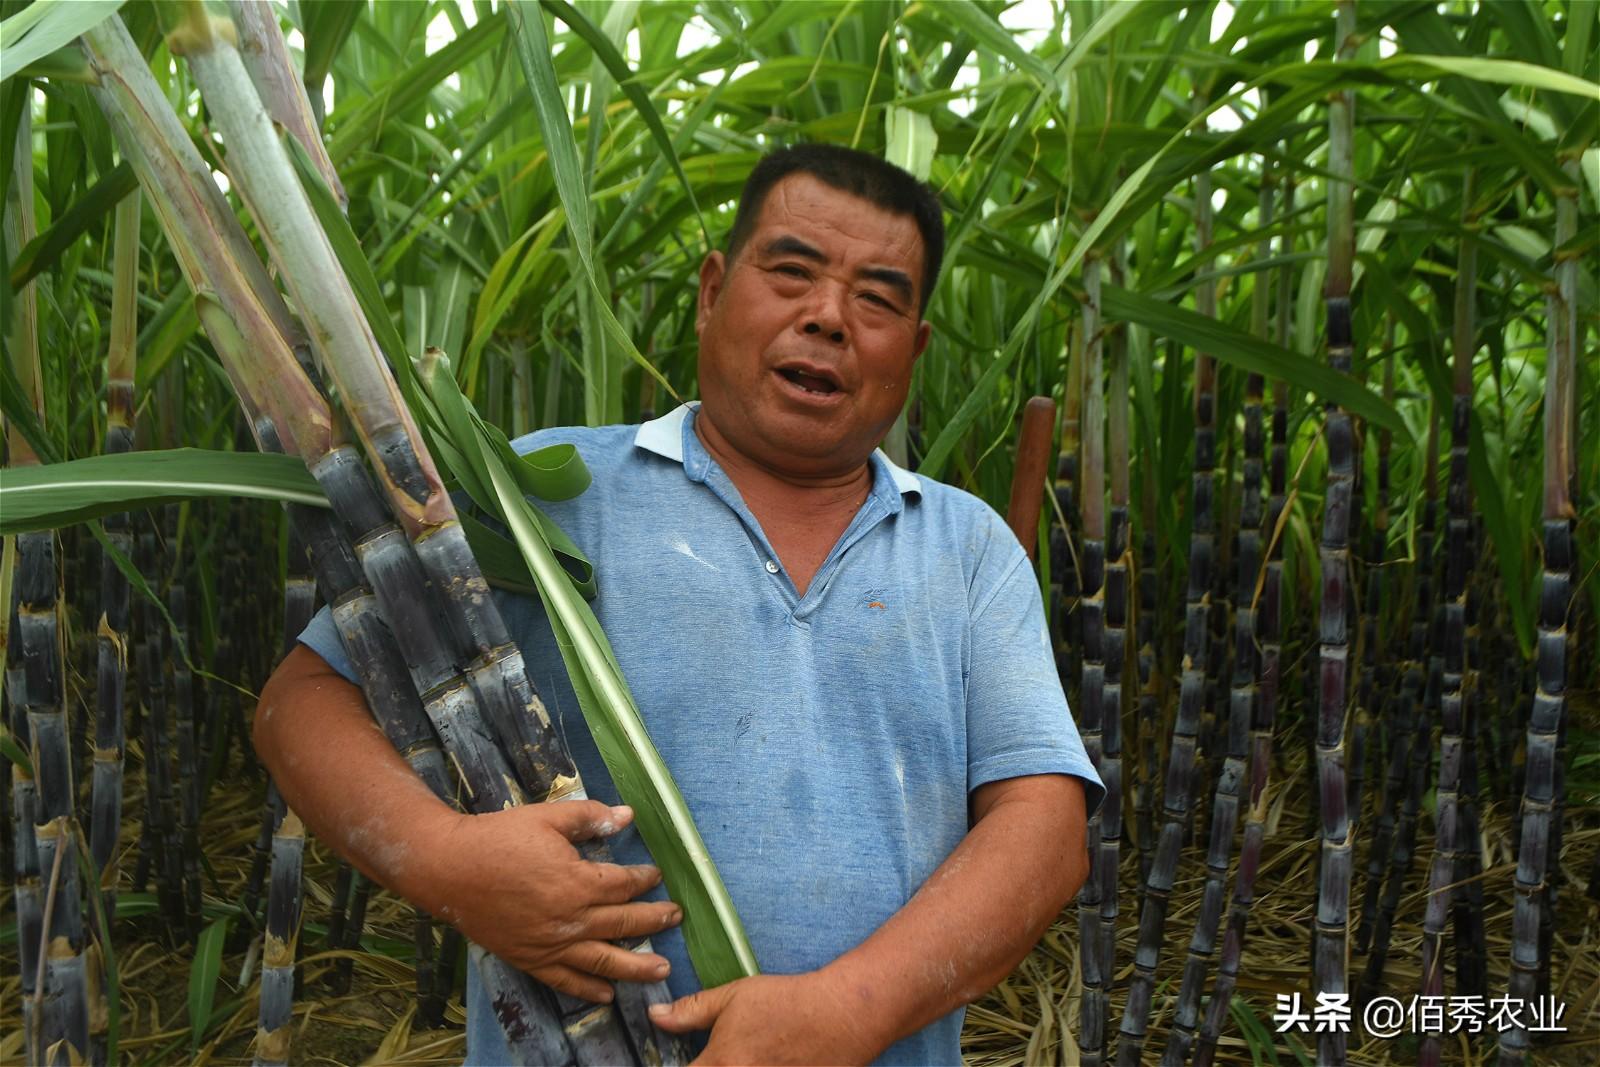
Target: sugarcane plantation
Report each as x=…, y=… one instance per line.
x=588, y=533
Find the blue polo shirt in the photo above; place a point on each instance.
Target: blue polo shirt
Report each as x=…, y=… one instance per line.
x=827, y=743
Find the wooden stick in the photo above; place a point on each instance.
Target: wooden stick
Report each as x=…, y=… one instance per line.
x=1033, y=461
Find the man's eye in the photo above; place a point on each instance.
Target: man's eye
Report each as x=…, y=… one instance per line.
x=882, y=302
x=791, y=270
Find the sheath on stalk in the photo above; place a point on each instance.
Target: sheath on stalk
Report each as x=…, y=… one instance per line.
x=1447, y=862
x=1091, y=711
x=1181, y=767
x=1530, y=923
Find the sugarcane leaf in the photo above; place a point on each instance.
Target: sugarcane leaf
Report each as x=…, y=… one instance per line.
x=1238, y=348
x=59, y=494
x=408, y=87
x=19, y=413
x=712, y=930
x=533, y=49
x=46, y=25
x=607, y=53
x=203, y=974
x=14, y=752
x=1492, y=71
x=45, y=250
x=327, y=25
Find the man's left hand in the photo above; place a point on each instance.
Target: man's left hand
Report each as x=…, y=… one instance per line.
x=774, y=1019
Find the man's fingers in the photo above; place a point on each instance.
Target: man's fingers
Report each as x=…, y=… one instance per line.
x=564, y=979
x=611, y=922
x=581, y=820
x=615, y=962
x=615, y=884
x=697, y=1011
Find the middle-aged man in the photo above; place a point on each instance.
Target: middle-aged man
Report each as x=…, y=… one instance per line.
x=845, y=666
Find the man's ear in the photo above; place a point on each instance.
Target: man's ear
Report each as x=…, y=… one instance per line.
x=924, y=331
x=713, y=269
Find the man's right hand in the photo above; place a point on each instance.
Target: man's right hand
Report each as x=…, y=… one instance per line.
x=510, y=880
x=513, y=882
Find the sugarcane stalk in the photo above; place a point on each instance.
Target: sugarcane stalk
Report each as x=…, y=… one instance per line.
x=1331, y=949
x=281, y=940
x=1091, y=709
x=57, y=1021
x=1181, y=760
x=1546, y=718
x=266, y=57
x=1417, y=698
x=1446, y=864
x=1066, y=616
x=1114, y=639
x=1245, y=730
x=1374, y=687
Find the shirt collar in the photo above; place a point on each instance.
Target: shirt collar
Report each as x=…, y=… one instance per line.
x=666, y=437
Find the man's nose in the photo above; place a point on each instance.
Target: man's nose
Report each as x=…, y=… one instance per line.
x=834, y=334
x=825, y=315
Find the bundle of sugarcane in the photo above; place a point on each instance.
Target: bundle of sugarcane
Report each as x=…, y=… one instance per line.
x=459, y=664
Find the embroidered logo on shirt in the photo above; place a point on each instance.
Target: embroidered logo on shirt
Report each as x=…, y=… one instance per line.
x=873, y=598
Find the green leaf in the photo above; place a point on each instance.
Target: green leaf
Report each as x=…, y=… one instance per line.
x=715, y=936
x=533, y=49
x=1239, y=349
x=45, y=250
x=46, y=25
x=60, y=494
x=204, y=971
x=607, y=53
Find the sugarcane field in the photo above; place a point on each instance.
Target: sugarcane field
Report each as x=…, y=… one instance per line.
x=600, y=532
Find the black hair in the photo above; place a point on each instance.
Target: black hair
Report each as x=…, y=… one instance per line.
x=859, y=174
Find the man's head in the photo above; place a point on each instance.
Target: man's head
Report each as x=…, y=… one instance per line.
x=860, y=174
x=810, y=324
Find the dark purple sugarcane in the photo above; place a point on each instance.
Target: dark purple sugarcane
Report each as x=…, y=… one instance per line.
x=1373, y=690
x=1181, y=767
x=1065, y=566
x=1447, y=862
x=1114, y=640
x=1417, y=698
x=1091, y=709
x=1542, y=784
x=1330, y=943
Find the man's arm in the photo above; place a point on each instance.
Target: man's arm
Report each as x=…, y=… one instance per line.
x=511, y=880
x=968, y=927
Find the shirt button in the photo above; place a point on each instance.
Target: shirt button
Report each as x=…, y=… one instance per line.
x=772, y=566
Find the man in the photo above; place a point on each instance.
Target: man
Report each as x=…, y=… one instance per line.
x=845, y=666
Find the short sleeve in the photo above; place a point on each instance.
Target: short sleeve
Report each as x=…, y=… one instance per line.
x=322, y=637
x=1018, y=722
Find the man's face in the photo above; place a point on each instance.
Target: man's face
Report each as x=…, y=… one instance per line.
x=808, y=338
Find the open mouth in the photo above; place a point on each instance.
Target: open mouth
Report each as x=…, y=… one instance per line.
x=811, y=383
